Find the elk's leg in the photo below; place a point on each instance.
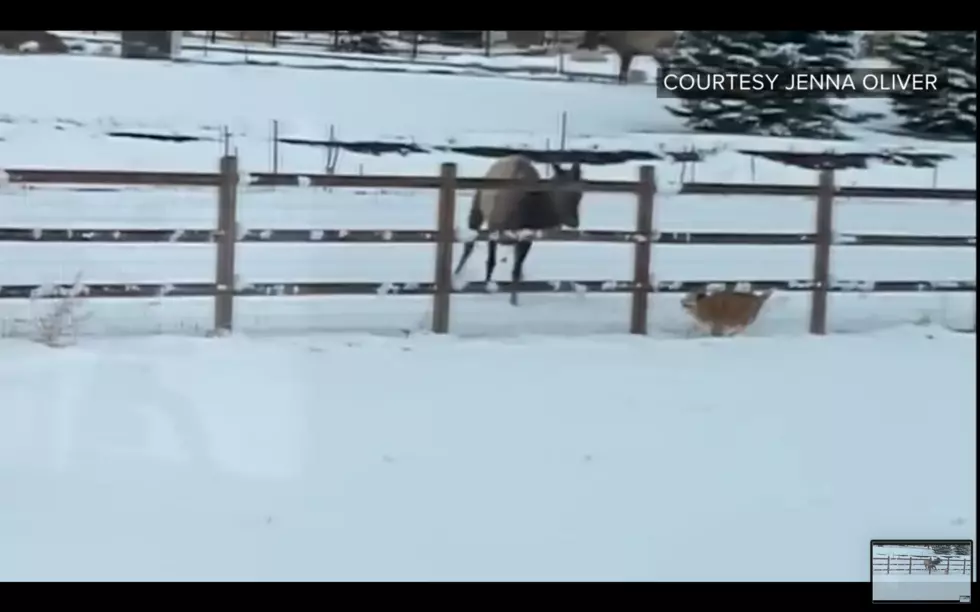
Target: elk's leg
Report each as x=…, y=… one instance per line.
x=625, y=61
x=491, y=258
x=521, y=249
x=467, y=251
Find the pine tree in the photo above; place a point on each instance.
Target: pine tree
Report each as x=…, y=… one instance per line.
x=773, y=52
x=715, y=52
x=942, y=549
x=952, y=55
x=959, y=51
x=961, y=549
x=829, y=50
x=808, y=52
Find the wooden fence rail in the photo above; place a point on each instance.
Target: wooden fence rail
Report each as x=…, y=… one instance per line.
x=153, y=290
x=229, y=180
x=917, y=565
x=328, y=236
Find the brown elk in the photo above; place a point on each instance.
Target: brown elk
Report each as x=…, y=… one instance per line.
x=513, y=209
x=725, y=313
x=629, y=43
x=20, y=41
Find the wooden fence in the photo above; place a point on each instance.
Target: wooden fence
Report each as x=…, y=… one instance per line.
x=917, y=566
x=642, y=237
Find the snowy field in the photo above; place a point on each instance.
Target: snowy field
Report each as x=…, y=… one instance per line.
x=917, y=587
x=366, y=458
x=926, y=588
x=55, y=124
x=533, y=444
x=315, y=54
x=882, y=550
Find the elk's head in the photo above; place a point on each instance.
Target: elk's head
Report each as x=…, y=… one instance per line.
x=567, y=202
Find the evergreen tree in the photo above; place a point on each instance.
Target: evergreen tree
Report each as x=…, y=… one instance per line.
x=829, y=50
x=962, y=549
x=952, y=55
x=813, y=52
x=959, y=52
x=772, y=52
x=715, y=52
x=942, y=549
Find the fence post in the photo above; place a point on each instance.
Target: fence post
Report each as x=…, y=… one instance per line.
x=821, y=255
x=642, y=247
x=275, y=146
x=446, y=236
x=225, y=239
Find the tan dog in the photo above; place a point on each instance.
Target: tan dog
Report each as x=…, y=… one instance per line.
x=724, y=313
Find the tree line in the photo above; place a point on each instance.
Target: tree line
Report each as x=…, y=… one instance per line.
x=948, y=113
x=951, y=549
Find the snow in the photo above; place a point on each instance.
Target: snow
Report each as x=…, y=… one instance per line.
x=934, y=587
x=426, y=458
x=55, y=124
x=552, y=64
x=883, y=550
x=935, y=577
x=534, y=443
x=926, y=588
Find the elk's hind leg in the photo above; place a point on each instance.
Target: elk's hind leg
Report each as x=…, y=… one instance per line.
x=521, y=249
x=491, y=258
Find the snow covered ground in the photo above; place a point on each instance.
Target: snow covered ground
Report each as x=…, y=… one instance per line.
x=882, y=550
x=53, y=123
x=366, y=458
x=929, y=588
x=510, y=455
x=921, y=587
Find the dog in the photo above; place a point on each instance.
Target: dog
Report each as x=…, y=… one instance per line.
x=727, y=312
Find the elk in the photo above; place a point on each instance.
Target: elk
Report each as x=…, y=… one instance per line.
x=629, y=43
x=512, y=209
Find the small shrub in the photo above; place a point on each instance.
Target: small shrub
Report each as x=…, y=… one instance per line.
x=54, y=311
